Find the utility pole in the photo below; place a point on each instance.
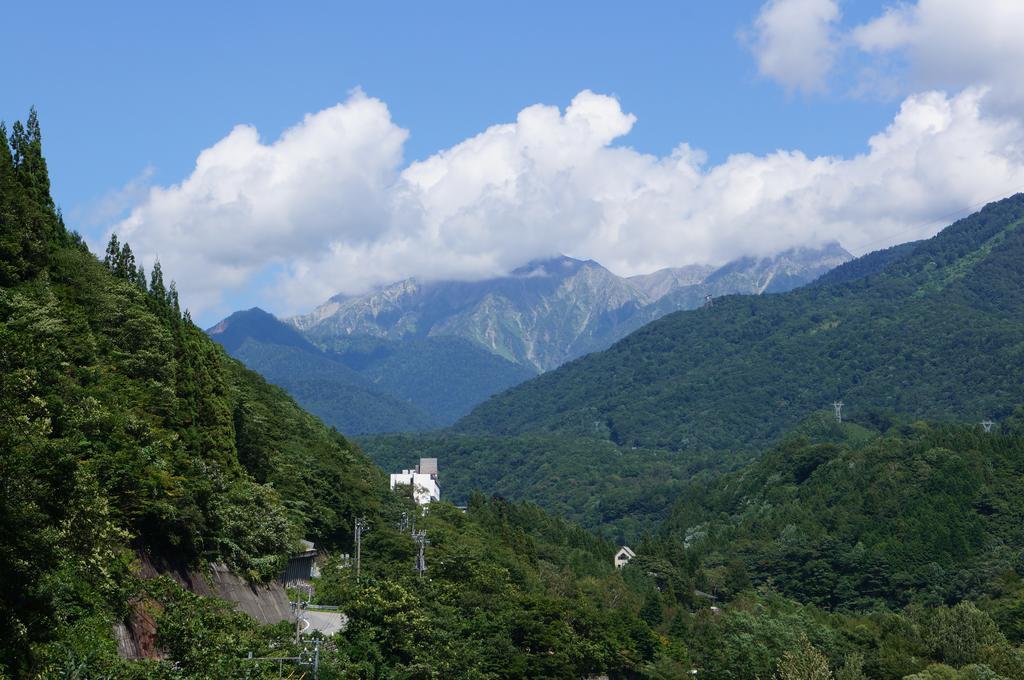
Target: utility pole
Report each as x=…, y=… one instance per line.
x=297, y=607
x=421, y=563
x=361, y=526
x=987, y=424
x=838, y=406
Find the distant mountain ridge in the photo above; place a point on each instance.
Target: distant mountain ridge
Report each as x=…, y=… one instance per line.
x=371, y=384
x=926, y=330
x=415, y=356
x=551, y=311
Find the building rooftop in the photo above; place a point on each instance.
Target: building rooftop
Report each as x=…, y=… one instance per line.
x=427, y=466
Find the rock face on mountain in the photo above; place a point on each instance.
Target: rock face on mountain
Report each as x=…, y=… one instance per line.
x=548, y=312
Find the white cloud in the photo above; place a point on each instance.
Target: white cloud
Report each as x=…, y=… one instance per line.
x=794, y=42
x=248, y=204
x=909, y=47
x=331, y=207
x=952, y=44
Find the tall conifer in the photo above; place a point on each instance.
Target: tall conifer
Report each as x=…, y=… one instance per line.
x=112, y=254
x=156, y=284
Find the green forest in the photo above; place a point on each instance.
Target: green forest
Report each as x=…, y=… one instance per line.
x=619, y=493
x=886, y=548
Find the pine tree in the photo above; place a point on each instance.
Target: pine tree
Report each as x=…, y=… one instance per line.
x=37, y=177
x=126, y=263
x=112, y=254
x=6, y=159
x=27, y=225
x=140, y=279
x=172, y=299
x=156, y=284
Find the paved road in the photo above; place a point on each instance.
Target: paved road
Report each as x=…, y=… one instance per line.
x=327, y=623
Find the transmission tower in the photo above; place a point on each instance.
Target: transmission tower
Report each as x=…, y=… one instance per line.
x=360, y=527
x=987, y=425
x=421, y=562
x=838, y=406
x=709, y=301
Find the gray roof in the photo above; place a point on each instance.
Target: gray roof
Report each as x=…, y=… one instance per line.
x=427, y=466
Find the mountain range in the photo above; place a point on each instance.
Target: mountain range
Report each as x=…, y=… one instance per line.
x=419, y=355
x=925, y=330
x=551, y=311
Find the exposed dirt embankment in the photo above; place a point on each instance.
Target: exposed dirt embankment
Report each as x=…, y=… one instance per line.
x=267, y=603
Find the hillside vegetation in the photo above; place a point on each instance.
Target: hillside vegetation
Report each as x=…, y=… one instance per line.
x=894, y=534
x=367, y=385
x=125, y=430
x=934, y=334
x=619, y=493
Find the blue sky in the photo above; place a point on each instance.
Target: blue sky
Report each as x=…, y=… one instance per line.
x=127, y=86
x=133, y=91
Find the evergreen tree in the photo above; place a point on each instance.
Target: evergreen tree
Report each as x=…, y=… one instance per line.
x=172, y=299
x=6, y=160
x=126, y=263
x=157, y=290
x=32, y=169
x=140, y=278
x=112, y=254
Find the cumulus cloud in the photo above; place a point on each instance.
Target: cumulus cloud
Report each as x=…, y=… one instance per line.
x=794, y=42
x=909, y=47
x=952, y=44
x=248, y=204
x=330, y=207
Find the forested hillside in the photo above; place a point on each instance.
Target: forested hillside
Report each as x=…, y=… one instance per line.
x=126, y=431
x=619, y=493
x=934, y=334
x=367, y=384
x=326, y=388
x=885, y=531
x=122, y=428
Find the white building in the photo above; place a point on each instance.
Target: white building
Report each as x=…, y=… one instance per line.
x=623, y=557
x=422, y=479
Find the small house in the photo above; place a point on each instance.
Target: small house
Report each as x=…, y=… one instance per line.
x=623, y=557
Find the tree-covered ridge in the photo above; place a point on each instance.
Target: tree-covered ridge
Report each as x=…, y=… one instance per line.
x=617, y=492
x=124, y=429
x=364, y=384
x=934, y=334
x=122, y=426
x=919, y=515
x=893, y=533
x=509, y=592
